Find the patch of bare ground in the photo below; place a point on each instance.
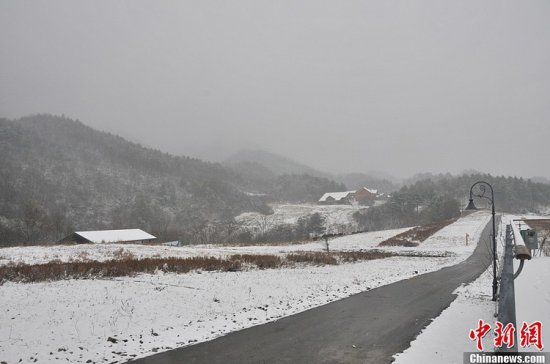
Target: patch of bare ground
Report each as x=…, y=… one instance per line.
x=416, y=235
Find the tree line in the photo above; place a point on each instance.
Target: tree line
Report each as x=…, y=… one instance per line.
x=440, y=197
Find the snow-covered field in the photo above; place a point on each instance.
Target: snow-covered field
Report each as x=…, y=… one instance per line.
x=450, y=240
x=446, y=338
x=71, y=320
x=103, y=252
x=338, y=218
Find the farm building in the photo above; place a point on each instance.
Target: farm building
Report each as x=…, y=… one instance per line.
x=333, y=198
x=366, y=196
x=135, y=236
x=363, y=196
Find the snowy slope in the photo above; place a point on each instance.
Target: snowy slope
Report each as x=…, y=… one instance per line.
x=338, y=218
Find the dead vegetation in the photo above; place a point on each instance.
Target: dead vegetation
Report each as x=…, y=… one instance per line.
x=416, y=235
x=314, y=258
x=57, y=270
x=129, y=266
x=263, y=261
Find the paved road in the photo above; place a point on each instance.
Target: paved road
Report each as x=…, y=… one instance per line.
x=368, y=327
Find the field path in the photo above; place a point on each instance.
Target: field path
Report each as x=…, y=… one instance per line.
x=369, y=327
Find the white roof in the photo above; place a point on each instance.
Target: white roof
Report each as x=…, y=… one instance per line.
x=374, y=192
x=113, y=236
x=335, y=195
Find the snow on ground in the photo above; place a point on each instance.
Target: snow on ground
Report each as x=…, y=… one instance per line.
x=71, y=320
x=338, y=218
x=452, y=238
x=87, y=252
x=446, y=338
x=102, y=252
x=532, y=289
x=449, y=240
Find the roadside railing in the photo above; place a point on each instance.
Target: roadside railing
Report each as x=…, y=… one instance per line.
x=514, y=248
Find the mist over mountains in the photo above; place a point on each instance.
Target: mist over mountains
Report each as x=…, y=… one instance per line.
x=88, y=179
x=263, y=163
x=58, y=175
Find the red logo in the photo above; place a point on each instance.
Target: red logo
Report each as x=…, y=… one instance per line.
x=504, y=335
x=479, y=333
x=531, y=335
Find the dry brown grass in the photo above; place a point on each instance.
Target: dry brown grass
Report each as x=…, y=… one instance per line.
x=363, y=255
x=416, y=235
x=57, y=270
x=112, y=268
x=263, y=261
x=315, y=258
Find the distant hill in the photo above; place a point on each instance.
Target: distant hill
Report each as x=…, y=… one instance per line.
x=281, y=178
x=358, y=180
x=57, y=174
x=276, y=164
x=431, y=198
x=540, y=180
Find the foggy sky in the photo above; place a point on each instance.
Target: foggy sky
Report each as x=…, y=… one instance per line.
x=399, y=86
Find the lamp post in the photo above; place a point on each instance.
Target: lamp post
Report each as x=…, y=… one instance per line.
x=482, y=191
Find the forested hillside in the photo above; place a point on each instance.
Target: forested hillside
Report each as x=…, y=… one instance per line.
x=357, y=180
x=57, y=175
x=276, y=164
x=440, y=197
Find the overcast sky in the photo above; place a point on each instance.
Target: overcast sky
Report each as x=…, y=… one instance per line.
x=399, y=86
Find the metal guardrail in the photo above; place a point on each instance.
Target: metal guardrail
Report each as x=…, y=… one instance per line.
x=507, y=297
x=514, y=248
x=521, y=250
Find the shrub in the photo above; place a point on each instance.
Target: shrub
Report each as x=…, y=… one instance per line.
x=316, y=258
x=260, y=261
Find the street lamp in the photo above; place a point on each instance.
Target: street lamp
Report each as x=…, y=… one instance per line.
x=481, y=194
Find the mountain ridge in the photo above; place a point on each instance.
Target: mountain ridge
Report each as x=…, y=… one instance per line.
x=96, y=180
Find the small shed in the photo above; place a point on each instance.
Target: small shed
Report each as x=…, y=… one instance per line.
x=172, y=243
x=136, y=236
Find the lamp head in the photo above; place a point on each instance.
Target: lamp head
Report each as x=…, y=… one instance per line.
x=522, y=252
x=471, y=205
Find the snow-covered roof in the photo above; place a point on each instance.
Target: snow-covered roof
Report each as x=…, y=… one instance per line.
x=373, y=191
x=335, y=195
x=113, y=236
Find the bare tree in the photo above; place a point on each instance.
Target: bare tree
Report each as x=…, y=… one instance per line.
x=33, y=222
x=264, y=223
x=326, y=239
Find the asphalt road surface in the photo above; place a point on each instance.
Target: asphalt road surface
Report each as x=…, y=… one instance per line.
x=368, y=327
